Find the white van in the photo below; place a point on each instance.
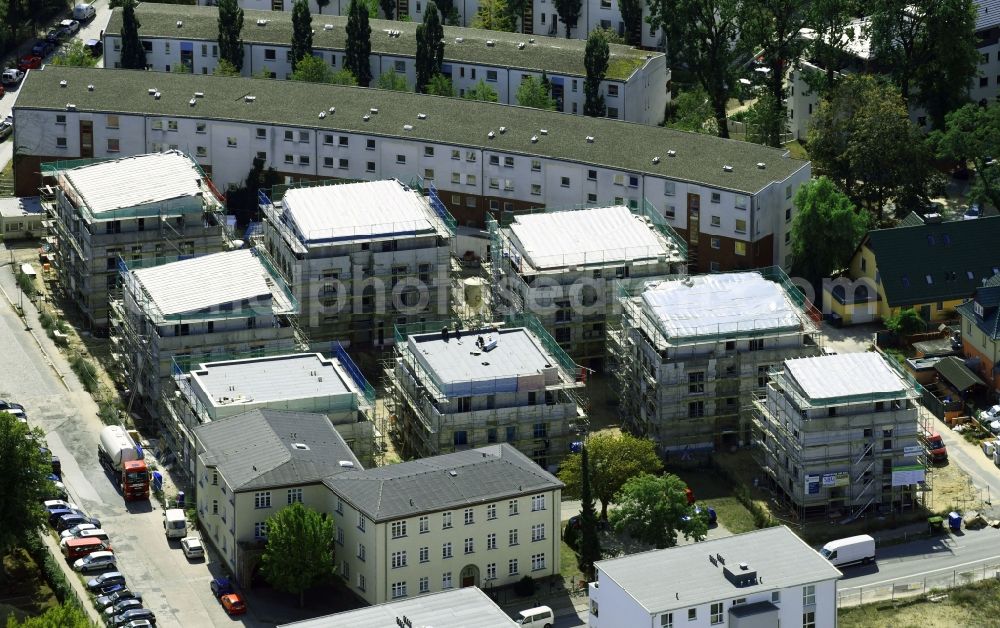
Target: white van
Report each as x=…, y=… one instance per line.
x=175, y=523
x=849, y=551
x=96, y=533
x=84, y=12
x=538, y=617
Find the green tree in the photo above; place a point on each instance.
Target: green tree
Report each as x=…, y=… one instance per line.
x=302, y=37
x=532, y=93
x=772, y=28
x=66, y=615
x=343, y=77
x=610, y=36
x=493, y=15
x=359, y=43
x=929, y=48
x=225, y=68
x=862, y=138
x=133, y=54
x=826, y=230
x=632, y=17
x=595, y=60
x=653, y=509
x=312, y=70
x=692, y=111
x=392, y=81
x=699, y=37
x=181, y=68
x=482, y=91
x=766, y=121
x=230, y=27
x=14, y=17
x=589, y=545
x=299, y=550
x=23, y=482
x=905, y=322
x=569, y=13
x=440, y=85
x=388, y=8
x=320, y=4
x=831, y=20
x=74, y=54
x=613, y=460
x=972, y=135
x=515, y=14
x=430, y=46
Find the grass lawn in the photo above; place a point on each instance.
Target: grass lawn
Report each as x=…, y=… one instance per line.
x=972, y=605
x=797, y=150
x=24, y=591
x=709, y=489
x=567, y=565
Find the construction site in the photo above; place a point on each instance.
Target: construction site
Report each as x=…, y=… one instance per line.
x=838, y=436
x=561, y=266
x=688, y=352
x=449, y=388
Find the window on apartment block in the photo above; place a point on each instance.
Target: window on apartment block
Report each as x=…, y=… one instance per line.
x=294, y=495
x=399, y=559
x=696, y=383
x=716, y=613
x=445, y=520
x=809, y=619
x=536, y=165
x=740, y=248
x=361, y=582
x=262, y=499
x=114, y=145
x=491, y=571
x=425, y=584
x=398, y=589
x=491, y=76
x=696, y=409
x=508, y=162
x=491, y=512
x=692, y=614
x=369, y=144
x=303, y=160
x=400, y=159
x=361, y=522
x=667, y=620
x=491, y=541
x=200, y=151
x=400, y=67
x=260, y=530
x=468, y=516
x=470, y=546
x=512, y=537
x=425, y=554
x=715, y=243
x=538, y=532
x=231, y=142
x=741, y=226
x=512, y=567
x=537, y=562
x=328, y=162
x=428, y=151
x=398, y=529
x=512, y=507
x=370, y=166
x=425, y=524
x=537, y=503
x=446, y=550
x=809, y=595
x=428, y=174
x=446, y=582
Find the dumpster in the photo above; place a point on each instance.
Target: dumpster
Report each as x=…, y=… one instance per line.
x=935, y=524
x=180, y=499
x=954, y=521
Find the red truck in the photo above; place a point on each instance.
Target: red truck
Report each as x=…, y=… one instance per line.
x=122, y=457
x=935, y=448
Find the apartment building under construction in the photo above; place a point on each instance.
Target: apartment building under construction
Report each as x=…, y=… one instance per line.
x=452, y=389
x=690, y=351
x=562, y=266
x=361, y=257
x=838, y=435
x=101, y=210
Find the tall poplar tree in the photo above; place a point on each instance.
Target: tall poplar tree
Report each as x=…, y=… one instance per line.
x=359, y=43
x=430, y=47
x=230, y=27
x=302, y=38
x=595, y=60
x=133, y=54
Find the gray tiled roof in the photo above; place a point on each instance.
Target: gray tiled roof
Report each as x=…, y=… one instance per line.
x=554, y=54
x=682, y=577
x=255, y=449
x=458, y=122
x=442, y=482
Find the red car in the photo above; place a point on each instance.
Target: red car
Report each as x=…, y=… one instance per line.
x=233, y=604
x=2, y=91
x=29, y=62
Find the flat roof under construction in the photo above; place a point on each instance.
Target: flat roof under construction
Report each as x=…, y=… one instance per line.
x=356, y=211
x=845, y=375
x=133, y=181
x=595, y=236
x=209, y=281
x=269, y=379
x=724, y=304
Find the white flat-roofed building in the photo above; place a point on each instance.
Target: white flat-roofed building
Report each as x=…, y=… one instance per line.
x=691, y=350
x=362, y=256
x=760, y=579
x=158, y=206
x=299, y=382
x=467, y=607
x=182, y=313
x=562, y=266
x=440, y=522
x=21, y=217
x=634, y=87
x=838, y=434
x=455, y=390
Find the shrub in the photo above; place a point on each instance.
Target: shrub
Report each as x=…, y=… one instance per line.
x=26, y=284
x=571, y=536
x=525, y=586
x=86, y=371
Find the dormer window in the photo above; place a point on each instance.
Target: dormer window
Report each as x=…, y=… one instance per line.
x=978, y=309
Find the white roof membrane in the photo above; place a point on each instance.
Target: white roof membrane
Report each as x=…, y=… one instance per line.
x=845, y=375
x=133, y=181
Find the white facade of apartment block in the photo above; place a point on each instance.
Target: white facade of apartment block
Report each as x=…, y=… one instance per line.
x=500, y=59
x=594, y=14
x=759, y=579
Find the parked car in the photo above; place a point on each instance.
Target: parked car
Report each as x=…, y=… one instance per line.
x=233, y=604
x=112, y=587
x=68, y=521
x=54, y=36
x=972, y=212
x=121, y=606
x=990, y=414
x=128, y=616
x=222, y=586
x=70, y=27
x=94, y=47
x=11, y=76
x=7, y=405
x=98, y=561
x=29, y=62
x=106, y=601
x=54, y=515
x=42, y=48
x=140, y=623
x=6, y=128
x=192, y=547
x=53, y=504
x=74, y=532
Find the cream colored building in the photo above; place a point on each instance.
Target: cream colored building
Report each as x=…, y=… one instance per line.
x=252, y=465
x=483, y=517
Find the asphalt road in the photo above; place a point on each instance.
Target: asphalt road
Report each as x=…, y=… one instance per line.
x=34, y=373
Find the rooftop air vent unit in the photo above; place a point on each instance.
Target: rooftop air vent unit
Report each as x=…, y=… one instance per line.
x=70, y=106
x=366, y=117
x=199, y=94
x=90, y=87
x=590, y=139
x=407, y=127
x=322, y=114
x=249, y=98
x=373, y=110
x=656, y=160
x=727, y=168
x=421, y=116
x=453, y=473
x=346, y=464
x=543, y=131
x=151, y=91
x=491, y=135
x=62, y=83
x=332, y=110
x=503, y=130
x=301, y=446
x=459, y=40
x=671, y=153
x=261, y=22
x=180, y=23
x=192, y=102
x=156, y=95
x=520, y=45
x=761, y=165
x=490, y=43
x=531, y=41
x=328, y=27
x=534, y=139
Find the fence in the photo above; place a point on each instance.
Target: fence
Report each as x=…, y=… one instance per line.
x=907, y=587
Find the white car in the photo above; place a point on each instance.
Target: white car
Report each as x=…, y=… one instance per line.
x=74, y=532
x=12, y=76
x=70, y=27
x=990, y=414
x=52, y=504
x=96, y=561
x=192, y=547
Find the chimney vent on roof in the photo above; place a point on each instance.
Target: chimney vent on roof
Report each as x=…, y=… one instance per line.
x=62, y=83
x=332, y=110
x=180, y=23
x=727, y=168
x=520, y=45
x=490, y=43
x=322, y=114
x=459, y=40
x=249, y=98
x=656, y=159
x=761, y=165
x=199, y=94
x=328, y=27
x=671, y=153
x=590, y=139
x=421, y=116
x=534, y=139
x=156, y=95
x=453, y=473
x=543, y=131
x=491, y=135
x=374, y=110
x=503, y=130
x=261, y=22
x=151, y=91
x=366, y=117
x=407, y=127
x=90, y=87
x=70, y=106
x=192, y=102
